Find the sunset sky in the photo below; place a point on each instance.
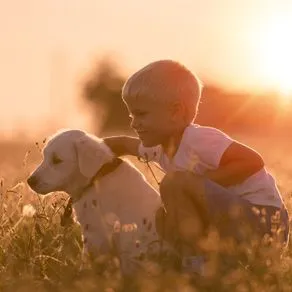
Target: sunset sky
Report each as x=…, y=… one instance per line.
x=47, y=47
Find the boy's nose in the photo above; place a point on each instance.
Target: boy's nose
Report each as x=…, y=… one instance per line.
x=32, y=181
x=135, y=124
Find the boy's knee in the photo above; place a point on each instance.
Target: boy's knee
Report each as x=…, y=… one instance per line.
x=170, y=185
x=177, y=181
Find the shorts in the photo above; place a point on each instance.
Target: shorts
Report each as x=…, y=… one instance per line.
x=229, y=213
x=235, y=217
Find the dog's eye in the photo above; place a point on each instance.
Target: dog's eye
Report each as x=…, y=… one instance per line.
x=56, y=160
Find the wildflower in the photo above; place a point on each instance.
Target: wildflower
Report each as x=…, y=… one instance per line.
x=256, y=211
x=28, y=210
x=117, y=226
x=129, y=227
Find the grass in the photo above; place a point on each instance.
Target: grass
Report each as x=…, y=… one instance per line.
x=37, y=253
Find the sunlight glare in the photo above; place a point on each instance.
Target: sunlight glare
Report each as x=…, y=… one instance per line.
x=274, y=44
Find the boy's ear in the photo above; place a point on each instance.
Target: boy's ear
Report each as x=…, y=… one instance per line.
x=89, y=155
x=177, y=111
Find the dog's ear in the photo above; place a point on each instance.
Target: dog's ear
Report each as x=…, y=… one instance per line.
x=90, y=155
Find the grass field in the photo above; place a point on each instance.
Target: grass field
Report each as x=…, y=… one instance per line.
x=36, y=253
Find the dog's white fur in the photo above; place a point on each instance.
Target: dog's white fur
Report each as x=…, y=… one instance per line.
x=119, y=209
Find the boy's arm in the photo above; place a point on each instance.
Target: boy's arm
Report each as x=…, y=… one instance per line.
x=123, y=145
x=237, y=164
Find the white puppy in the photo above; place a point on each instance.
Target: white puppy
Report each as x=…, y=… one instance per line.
x=113, y=202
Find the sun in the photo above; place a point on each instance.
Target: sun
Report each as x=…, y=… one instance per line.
x=274, y=56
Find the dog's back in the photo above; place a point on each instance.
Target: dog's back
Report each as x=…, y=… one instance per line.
x=127, y=207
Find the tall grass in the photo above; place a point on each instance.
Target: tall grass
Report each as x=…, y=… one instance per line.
x=37, y=253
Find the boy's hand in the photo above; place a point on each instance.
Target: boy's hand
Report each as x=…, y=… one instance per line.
x=123, y=145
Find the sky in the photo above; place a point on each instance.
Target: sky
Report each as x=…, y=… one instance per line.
x=47, y=47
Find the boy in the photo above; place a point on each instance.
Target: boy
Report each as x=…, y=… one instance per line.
x=211, y=179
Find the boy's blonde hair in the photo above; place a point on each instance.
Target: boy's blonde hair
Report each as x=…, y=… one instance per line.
x=167, y=81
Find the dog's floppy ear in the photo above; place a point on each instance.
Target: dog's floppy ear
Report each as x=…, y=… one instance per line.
x=90, y=155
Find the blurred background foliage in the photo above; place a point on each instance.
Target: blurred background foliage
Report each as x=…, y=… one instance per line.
x=234, y=112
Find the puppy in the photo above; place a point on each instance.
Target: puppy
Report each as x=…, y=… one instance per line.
x=113, y=202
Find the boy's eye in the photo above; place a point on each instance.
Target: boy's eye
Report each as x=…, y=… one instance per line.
x=56, y=160
x=137, y=114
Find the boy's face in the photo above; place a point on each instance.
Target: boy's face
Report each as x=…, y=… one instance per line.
x=154, y=122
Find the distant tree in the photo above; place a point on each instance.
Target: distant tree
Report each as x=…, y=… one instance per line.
x=227, y=110
x=237, y=111
x=102, y=91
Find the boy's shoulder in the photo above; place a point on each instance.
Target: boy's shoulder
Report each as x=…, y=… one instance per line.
x=198, y=131
x=204, y=139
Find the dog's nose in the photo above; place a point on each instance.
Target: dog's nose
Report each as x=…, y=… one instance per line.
x=32, y=181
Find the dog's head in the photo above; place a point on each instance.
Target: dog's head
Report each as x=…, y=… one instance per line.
x=70, y=160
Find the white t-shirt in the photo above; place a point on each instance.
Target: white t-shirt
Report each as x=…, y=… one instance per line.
x=201, y=149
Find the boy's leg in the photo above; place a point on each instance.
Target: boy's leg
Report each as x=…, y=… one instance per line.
x=184, y=218
x=193, y=204
x=243, y=221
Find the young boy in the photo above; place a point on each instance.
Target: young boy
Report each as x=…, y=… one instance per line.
x=211, y=179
